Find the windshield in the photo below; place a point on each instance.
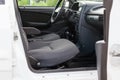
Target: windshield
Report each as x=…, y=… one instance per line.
x=91, y=0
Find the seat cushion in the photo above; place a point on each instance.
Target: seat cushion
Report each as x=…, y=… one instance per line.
x=44, y=40
x=48, y=37
x=37, y=44
x=54, y=53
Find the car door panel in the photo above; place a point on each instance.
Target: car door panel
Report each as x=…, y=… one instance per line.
x=39, y=17
x=36, y=16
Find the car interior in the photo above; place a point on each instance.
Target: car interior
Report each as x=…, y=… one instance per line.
x=61, y=37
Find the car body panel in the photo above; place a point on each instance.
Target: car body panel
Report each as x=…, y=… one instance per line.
x=113, y=64
x=5, y=42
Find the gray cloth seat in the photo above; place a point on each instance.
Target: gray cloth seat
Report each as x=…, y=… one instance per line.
x=53, y=52
x=35, y=31
x=48, y=37
x=45, y=37
x=48, y=53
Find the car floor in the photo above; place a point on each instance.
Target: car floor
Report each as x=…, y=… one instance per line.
x=77, y=62
x=82, y=61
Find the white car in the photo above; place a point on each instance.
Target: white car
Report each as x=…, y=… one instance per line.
x=69, y=40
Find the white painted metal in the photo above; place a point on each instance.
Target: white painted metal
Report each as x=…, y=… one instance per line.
x=5, y=43
x=113, y=68
x=13, y=64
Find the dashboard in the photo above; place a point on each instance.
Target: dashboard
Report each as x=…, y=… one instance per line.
x=90, y=13
x=86, y=23
x=73, y=13
x=94, y=16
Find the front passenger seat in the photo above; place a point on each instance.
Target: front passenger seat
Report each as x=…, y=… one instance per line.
x=50, y=54
x=53, y=53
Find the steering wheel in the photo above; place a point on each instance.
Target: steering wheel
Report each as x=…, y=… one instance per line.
x=57, y=11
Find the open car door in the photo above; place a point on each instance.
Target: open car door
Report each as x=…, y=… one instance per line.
x=113, y=63
x=104, y=66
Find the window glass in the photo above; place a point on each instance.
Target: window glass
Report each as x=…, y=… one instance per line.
x=44, y=3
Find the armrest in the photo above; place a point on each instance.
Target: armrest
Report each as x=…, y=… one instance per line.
x=31, y=30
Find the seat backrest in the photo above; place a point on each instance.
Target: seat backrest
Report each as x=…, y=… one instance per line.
x=20, y=25
x=24, y=37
